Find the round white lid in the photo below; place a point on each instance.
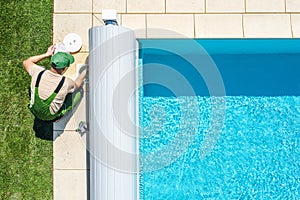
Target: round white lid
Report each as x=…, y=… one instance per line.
x=72, y=42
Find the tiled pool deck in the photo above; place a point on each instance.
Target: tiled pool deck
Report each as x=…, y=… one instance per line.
x=189, y=18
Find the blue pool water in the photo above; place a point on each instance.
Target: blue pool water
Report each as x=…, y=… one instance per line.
x=256, y=154
x=249, y=67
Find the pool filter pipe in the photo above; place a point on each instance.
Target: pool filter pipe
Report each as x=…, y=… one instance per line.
x=112, y=108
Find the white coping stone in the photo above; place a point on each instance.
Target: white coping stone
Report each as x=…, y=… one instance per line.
x=296, y=25
x=265, y=5
x=69, y=151
x=219, y=26
x=293, y=6
x=70, y=184
x=187, y=6
x=118, y=5
x=136, y=22
x=145, y=6
x=267, y=26
x=72, y=23
x=225, y=6
x=73, y=6
x=170, y=26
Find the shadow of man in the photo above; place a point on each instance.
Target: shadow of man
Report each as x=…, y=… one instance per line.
x=45, y=129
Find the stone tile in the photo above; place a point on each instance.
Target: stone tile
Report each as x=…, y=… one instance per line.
x=292, y=5
x=296, y=25
x=80, y=58
x=69, y=151
x=187, y=6
x=73, y=6
x=219, y=26
x=170, y=26
x=267, y=26
x=119, y=5
x=225, y=6
x=265, y=5
x=97, y=20
x=145, y=6
x=72, y=23
x=71, y=120
x=136, y=22
x=70, y=184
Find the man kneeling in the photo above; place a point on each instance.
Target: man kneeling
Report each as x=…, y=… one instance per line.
x=51, y=94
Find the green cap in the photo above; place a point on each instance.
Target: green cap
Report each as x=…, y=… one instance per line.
x=61, y=60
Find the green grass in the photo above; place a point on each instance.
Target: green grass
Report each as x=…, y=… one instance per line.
x=25, y=161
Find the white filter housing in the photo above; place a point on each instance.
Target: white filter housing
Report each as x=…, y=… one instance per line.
x=112, y=109
x=109, y=15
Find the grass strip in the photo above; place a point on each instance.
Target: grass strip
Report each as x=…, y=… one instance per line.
x=25, y=161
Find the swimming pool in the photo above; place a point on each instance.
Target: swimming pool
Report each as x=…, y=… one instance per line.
x=253, y=100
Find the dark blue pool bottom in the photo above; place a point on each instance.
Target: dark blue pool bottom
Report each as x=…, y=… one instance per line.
x=268, y=72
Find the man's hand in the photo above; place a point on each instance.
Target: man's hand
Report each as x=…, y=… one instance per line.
x=34, y=59
x=50, y=51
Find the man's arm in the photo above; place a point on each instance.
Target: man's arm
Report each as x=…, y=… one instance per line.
x=34, y=59
x=79, y=79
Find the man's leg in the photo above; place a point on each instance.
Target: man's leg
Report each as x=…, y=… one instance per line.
x=71, y=101
x=43, y=129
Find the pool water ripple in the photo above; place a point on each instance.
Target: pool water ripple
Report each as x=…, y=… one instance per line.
x=257, y=155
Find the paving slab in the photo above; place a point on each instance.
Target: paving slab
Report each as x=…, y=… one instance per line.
x=170, y=26
x=118, y=5
x=70, y=184
x=225, y=6
x=295, y=18
x=265, y=6
x=218, y=26
x=293, y=6
x=73, y=6
x=187, y=6
x=136, y=22
x=146, y=6
x=267, y=26
x=64, y=24
x=69, y=151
